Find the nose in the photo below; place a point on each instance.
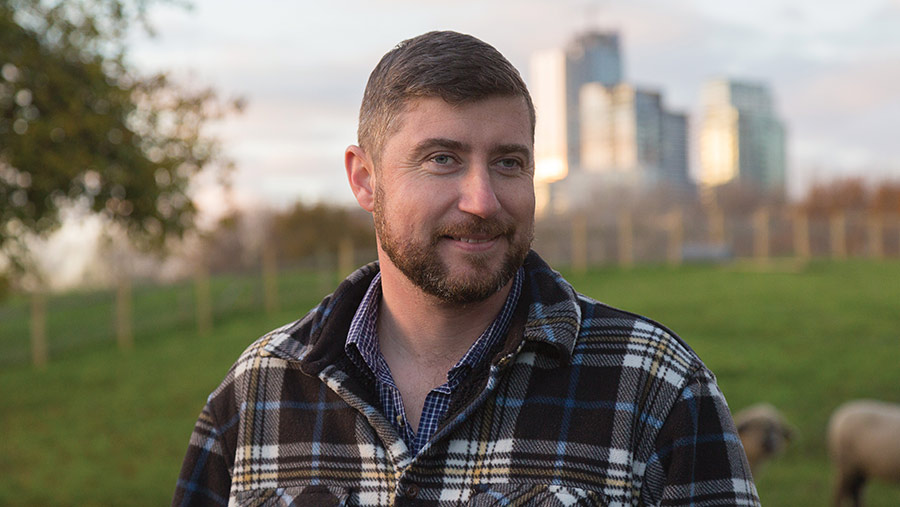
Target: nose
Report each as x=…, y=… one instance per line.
x=477, y=195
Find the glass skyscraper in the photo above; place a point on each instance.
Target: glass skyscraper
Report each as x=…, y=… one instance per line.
x=741, y=137
x=592, y=57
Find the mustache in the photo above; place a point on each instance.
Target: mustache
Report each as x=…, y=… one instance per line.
x=475, y=226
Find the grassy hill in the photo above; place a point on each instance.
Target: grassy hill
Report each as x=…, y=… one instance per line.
x=105, y=427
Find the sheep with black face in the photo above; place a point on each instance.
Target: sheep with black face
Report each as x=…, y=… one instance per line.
x=764, y=433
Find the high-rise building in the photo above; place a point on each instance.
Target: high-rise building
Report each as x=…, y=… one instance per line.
x=674, y=167
x=548, y=91
x=592, y=57
x=741, y=137
x=627, y=134
x=556, y=79
x=594, y=130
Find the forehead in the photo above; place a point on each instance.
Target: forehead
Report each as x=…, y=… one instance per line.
x=498, y=119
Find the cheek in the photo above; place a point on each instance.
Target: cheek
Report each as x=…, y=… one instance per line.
x=518, y=200
x=403, y=216
x=424, y=201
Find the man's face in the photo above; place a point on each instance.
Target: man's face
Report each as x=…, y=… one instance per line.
x=454, y=196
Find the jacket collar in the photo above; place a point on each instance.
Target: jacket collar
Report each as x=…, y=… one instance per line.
x=553, y=317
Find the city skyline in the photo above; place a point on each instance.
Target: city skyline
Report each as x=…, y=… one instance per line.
x=592, y=119
x=302, y=71
x=741, y=137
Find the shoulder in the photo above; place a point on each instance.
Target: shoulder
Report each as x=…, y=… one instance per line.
x=306, y=344
x=266, y=354
x=641, y=342
x=652, y=366
x=585, y=330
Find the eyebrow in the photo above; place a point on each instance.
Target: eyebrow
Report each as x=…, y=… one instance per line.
x=521, y=149
x=452, y=144
x=439, y=142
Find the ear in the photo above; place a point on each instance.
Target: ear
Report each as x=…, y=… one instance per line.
x=361, y=175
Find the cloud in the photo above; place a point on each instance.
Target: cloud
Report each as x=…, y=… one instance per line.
x=832, y=65
x=848, y=89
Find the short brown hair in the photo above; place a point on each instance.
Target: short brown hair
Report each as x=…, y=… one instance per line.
x=456, y=67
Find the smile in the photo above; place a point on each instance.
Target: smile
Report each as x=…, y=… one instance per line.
x=471, y=240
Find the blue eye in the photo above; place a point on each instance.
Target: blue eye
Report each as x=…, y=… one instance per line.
x=442, y=159
x=509, y=163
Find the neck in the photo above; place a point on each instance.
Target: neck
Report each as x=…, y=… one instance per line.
x=423, y=329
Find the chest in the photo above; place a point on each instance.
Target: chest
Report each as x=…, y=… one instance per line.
x=415, y=382
x=529, y=431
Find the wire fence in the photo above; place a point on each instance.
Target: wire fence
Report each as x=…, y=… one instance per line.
x=627, y=238
x=36, y=328
x=39, y=327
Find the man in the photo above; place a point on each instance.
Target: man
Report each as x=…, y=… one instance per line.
x=460, y=369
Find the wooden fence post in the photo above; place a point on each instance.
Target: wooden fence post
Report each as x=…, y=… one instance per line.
x=626, y=239
x=579, y=243
x=204, y=303
x=876, y=235
x=676, y=237
x=891, y=224
x=839, y=235
x=124, y=334
x=716, y=226
x=324, y=271
x=801, y=235
x=761, y=233
x=345, y=257
x=270, y=278
x=39, y=329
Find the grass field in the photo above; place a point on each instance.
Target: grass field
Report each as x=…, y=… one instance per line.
x=104, y=427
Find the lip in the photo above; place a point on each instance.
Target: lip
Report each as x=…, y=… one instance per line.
x=473, y=243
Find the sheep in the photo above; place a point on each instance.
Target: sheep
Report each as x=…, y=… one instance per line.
x=864, y=443
x=764, y=433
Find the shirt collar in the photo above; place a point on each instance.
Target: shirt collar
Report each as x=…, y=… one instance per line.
x=552, y=315
x=494, y=333
x=362, y=339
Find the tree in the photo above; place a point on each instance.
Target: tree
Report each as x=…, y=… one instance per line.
x=81, y=128
x=886, y=198
x=741, y=198
x=305, y=230
x=851, y=194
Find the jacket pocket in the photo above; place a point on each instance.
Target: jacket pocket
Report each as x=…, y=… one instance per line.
x=291, y=497
x=529, y=495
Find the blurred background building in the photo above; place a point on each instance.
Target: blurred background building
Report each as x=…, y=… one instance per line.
x=598, y=134
x=742, y=139
x=595, y=131
x=629, y=137
x=591, y=57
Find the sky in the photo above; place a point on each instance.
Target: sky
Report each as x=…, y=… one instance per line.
x=833, y=68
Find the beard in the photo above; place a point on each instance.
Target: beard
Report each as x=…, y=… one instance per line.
x=420, y=262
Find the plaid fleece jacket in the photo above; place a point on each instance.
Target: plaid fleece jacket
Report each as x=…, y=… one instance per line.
x=581, y=404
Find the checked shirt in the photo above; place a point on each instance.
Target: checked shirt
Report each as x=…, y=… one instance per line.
x=578, y=404
x=362, y=343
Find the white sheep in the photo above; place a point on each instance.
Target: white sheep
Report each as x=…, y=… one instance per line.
x=764, y=433
x=864, y=443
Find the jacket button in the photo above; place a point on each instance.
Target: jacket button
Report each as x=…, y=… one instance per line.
x=411, y=490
